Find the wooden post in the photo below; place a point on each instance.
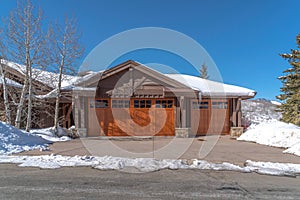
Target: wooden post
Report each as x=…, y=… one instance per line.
x=183, y=112
x=131, y=82
x=239, y=109
x=234, y=113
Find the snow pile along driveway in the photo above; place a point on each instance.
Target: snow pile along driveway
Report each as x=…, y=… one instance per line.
x=148, y=164
x=13, y=140
x=276, y=134
x=49, y=134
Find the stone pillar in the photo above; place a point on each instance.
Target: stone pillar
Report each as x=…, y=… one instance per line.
x=182, y=132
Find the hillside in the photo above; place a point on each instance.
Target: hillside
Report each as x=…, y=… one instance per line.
x=260, y=110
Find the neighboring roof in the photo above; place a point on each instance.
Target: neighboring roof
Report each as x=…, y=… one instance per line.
x=212, y=88
x=12, y=83
x=48, y=78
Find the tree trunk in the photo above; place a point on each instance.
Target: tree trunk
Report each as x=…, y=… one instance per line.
x=21, y=103
x=29, y=112
x=56, y=116
x=5, y=96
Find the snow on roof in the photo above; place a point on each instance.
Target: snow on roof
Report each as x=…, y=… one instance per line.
x=88, y=76
x=211, y=88
x=206, y=87
x=11, y=83
x=276, y=103
x=48, y=78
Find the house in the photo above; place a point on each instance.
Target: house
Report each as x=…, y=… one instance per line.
x=43, y=84
x=131, y=99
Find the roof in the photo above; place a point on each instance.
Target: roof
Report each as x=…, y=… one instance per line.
x=10, y=82
x=204, y=86
x=48, y=78
x=212, y=88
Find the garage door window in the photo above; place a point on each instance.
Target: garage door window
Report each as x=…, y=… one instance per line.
x=219, y=105
x=101, y=103
x=142, y=103
x=164, y=103
x=118, y=103
x=200, y=105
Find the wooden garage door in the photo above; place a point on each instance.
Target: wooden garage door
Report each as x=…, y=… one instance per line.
x=210, y=116
x=136, y=117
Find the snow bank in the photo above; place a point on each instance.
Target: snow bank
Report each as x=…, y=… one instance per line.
x=49, y=134
x=148, y=164
x=13, y=140
x=269, y=168
x=276, y=134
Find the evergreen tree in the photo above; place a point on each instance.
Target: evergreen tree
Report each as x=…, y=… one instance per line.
x=291, y=87
x=204, y=72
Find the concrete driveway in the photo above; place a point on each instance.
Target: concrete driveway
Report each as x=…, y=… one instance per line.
x=210, y=148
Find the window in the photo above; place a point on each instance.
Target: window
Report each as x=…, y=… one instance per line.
x=101, y=103
x=164, y=103
x=203, y=105
x=118, y=103
x=219, y=105
x=200, y=105
x=142, y=103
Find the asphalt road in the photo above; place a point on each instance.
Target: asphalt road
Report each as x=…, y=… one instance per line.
x=87, y=183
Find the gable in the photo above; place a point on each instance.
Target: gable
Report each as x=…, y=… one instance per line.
x=133, y=79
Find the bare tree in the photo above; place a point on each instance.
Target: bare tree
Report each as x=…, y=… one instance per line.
x=67, y=50
x=26, y=43
x=3, y=82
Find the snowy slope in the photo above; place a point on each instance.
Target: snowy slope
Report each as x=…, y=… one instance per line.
x=13, y=140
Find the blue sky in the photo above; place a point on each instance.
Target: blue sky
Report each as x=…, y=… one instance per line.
x=244, y=38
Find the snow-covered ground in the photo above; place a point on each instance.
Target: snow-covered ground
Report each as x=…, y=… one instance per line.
x=148, y=164
x=13, y=140
x=49, y=134
x=266, y=128
x=276, y=134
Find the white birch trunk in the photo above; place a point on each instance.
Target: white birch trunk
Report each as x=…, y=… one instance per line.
x=29, y=112
x=5, y=95
x=21, y=102
x=56, y=116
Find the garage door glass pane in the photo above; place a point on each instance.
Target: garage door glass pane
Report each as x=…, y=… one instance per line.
x=101, y=104
x=219, y=105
